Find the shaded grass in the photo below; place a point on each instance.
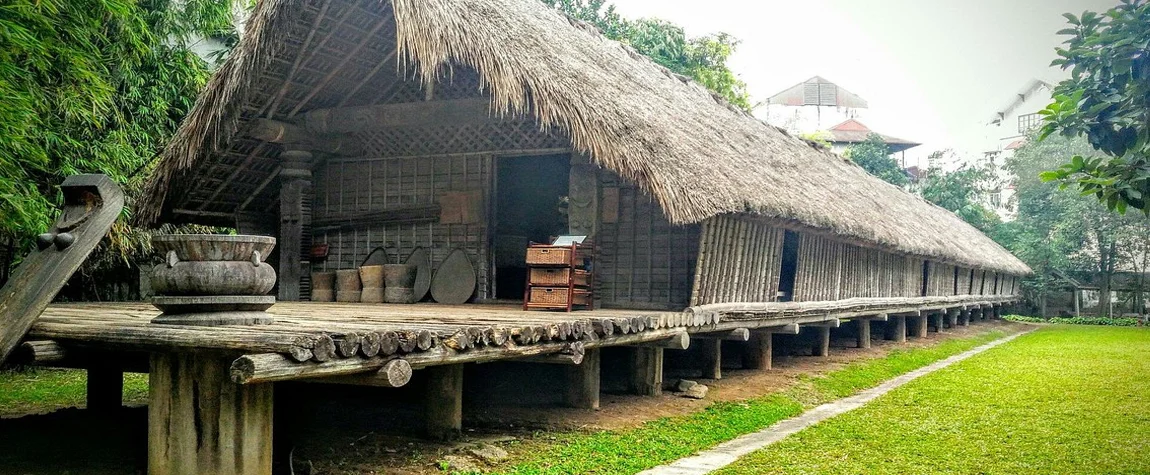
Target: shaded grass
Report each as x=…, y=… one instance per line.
x=36, y=390
x=1064, y=399
x=667, y=439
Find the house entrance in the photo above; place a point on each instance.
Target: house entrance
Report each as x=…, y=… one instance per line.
x=530, y=194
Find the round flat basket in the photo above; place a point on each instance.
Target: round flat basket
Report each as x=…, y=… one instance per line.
x=421, y=259
x=454, y=281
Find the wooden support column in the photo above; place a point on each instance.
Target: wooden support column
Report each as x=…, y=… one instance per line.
x=918, y=327
x=863, y=337
x=896, y=328
x=199, y=421
x=822, y=346
x=646, y=371
x=295, y=176
x=964, y=317
x=758, y=351
x=583, y=381
x=105, y=388
x=936, y=321
x=444, y=401
x=996, y=312
x=712, y=358
x=952, y=318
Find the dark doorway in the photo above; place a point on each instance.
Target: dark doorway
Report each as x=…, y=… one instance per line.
x=790, y=266
x=529, y=195
x=925, y=277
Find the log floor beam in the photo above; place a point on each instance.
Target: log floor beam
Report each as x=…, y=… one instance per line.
x=583, y=381
x=646, y=371
x=201, y=422
x=444, y=402
x=863, y=337
x=758, y=351
x=712, y=358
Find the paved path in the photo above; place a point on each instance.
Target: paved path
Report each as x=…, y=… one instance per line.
x=726, y=453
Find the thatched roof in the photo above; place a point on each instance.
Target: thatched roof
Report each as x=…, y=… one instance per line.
x=695, y=154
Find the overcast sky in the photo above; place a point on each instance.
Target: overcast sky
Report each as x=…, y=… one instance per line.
x=932, y=71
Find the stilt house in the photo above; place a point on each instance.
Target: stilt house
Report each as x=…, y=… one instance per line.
x=445, y=124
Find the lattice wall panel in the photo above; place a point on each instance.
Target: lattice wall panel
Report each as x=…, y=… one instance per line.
x=507, y=135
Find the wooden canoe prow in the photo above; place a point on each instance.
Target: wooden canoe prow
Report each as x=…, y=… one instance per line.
x=91, y=204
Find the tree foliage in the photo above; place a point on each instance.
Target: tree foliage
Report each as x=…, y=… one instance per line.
x=1061, y=230
x=92, y=86
x=1106, y=99
x=874, y=156
x=962, y=191
x=702, y=58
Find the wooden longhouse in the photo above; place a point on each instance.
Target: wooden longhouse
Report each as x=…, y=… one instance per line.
x=484, y=125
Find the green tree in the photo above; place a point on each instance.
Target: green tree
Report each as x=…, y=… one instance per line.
x=702, y=58
x=962, y=191
x=1106, y=99
x=1061, y=230
x=92, y=86
x=874, y=156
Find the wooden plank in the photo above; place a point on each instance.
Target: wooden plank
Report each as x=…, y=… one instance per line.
x=91, y=204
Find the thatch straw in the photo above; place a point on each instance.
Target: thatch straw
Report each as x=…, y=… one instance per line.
x=694, y=153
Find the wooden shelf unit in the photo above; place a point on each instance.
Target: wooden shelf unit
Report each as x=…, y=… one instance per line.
x=558, y=277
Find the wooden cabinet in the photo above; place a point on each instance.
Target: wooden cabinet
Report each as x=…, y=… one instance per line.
x=558, y=277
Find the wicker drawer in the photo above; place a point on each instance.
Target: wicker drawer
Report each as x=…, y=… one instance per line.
x=558, y=277
x=548, y=256
x=557, y=296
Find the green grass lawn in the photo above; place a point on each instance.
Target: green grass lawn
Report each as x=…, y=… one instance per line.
x=37, y=390
x=667, y=439
x=1064, y=399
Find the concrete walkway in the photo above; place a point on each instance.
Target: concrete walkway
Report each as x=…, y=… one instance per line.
x=726, y=453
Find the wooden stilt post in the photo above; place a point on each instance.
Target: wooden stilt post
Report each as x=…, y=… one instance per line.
x=964, y=317
x=712, y=358
x=918, y=327
x=583, y=381
x=647, y=371
x=822, y=346
x=936, y=321
x=863, y=337
x=444, y=401
x=105, y=388
x=758, y=351
x=952, y=318
x=199, y=421
x=896, y=328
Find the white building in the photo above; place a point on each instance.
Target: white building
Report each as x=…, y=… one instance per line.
x=1006, y=131
x=813, y=105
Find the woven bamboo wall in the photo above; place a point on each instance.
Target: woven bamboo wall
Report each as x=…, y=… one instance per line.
x=963, y=283
x=739, y=261
x=832, y=270
x=941, y=280
x=641, y=259
x=373, y=185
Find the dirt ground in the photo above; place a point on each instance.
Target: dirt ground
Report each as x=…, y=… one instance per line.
x=338, y=429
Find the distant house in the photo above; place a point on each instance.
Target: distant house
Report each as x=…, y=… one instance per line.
x=851, y=131
x=1006, y=131
x=813, y=105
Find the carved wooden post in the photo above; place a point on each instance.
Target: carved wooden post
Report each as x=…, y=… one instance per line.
x=646, y=371
x=295, y=177
x=863, y=336
x=583, y=381
x=711, y=356
x=444, y=401
x=758, y=351
x=199, y=421
x=91, y=204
